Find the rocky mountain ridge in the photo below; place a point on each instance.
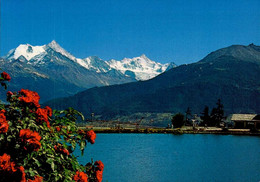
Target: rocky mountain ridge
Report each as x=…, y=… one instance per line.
x=230, y=74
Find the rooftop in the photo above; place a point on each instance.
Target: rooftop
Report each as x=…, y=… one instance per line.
x=243, y=117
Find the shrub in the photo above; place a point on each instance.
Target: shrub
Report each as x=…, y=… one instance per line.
x=37, y=144
x=178, y=120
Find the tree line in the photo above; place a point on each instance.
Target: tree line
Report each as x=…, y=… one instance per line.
x=207, y=118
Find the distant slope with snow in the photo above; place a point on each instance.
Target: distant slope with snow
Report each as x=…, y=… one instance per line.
x=230, y=74
x=142, y=67
x=54, y=72
x=138, y=68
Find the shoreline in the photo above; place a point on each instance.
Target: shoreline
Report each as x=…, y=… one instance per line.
x=177, y=131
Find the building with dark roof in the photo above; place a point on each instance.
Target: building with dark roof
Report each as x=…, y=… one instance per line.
x=246, y=120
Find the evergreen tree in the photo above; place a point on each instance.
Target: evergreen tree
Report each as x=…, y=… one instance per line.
x=205, y=116
x=188, y=116
x=217, y=114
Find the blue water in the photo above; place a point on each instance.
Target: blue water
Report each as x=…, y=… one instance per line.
x=166, y=157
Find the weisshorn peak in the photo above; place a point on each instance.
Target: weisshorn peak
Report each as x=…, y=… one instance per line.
x=137, y=68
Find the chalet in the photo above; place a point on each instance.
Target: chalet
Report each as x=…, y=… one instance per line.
x=246, y=120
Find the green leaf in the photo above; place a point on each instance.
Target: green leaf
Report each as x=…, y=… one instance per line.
x=36, y=162
x=2, y=137
x=56, y=178
x=60, y=175
x=49, y=160
x=31, y=172
x=9, y=138
x=17, y=146
x=52, y=166
x=82, y=144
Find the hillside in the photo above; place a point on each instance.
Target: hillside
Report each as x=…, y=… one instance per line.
x=231, y=74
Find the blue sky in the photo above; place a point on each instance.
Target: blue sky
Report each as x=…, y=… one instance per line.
x=164, y=30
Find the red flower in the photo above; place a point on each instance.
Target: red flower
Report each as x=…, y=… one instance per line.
x=3, y=123
x=99, y=165
x=5, y=76
x=9, y=94
x=4, y=127
x=31, y=139
x=57, y=128
x=42, y=115
x=80, y=177
x=2, y=116
x=10, y=171
x=29, y=97
x=6, y=164
x=99, y=170
x=61, y=149
x=91, y=136
x=99, y=175
x=49, y=111
x=36, y=179
x=20, y=174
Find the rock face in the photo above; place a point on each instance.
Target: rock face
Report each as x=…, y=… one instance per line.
x=53, y=72
x=231, y=74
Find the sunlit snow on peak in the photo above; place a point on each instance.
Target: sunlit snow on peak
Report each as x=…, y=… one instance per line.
x=28, y=51
x=142, y=66
x=56, y=47
x=138, y=68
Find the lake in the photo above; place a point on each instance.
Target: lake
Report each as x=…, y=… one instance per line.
x=167, y=157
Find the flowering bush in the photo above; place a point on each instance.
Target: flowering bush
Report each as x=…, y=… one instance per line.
x=37, y=144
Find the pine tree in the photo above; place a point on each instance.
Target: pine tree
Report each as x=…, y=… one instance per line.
x=217, y=114
x=205, y=116
x=188, y=116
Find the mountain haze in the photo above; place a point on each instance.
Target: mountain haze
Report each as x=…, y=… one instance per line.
x=231, y=74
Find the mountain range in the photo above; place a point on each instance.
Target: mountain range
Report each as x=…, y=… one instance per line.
x=230, y=74
x=53, y=72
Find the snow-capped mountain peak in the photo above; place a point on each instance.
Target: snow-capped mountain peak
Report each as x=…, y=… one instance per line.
x=94, y=63
x=56, y=47
x=138, y=68
x=142, y=67
x=26, y=50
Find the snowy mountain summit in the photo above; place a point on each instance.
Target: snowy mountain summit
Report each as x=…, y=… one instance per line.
x=29, y=52
x=142, y=67
x=138, y=68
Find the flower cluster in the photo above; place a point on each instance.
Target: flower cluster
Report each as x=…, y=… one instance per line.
x=9, y=171
x=43, y=114
x=99, y=170
x=3, y=123
x=32, y=152
x=30, y=139
x=30, y=98
x=6, y=164
x=80, y=177
x=60, y=149
x=91, y=136
x=5, y=76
